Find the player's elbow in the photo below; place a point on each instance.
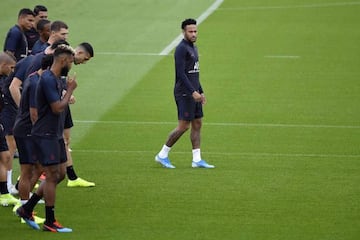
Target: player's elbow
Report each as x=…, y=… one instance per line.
x=57, y=107
x=15, y=86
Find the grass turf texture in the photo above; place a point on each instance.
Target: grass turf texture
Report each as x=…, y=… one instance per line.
x=290, y=170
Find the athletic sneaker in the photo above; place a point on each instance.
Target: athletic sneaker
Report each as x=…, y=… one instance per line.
x=37, y=219
x=201, y=164
x=28, y=218
x=56, y=227
x=16, y=206
x=165, y=162
x=79, y=182
x=8, y=199
x=13, y=191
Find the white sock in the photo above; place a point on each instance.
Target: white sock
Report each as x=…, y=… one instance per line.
x=196, y=155
x=164, y=151
x=23, y=201
x=9, y=179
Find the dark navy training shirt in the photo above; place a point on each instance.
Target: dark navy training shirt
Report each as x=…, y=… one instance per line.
x=16, y=42
x=35, y=63
x=49, y=90
x=23, y=124
x=39, y=47
x=32, y=35
x=20, y=73
x=186, y=69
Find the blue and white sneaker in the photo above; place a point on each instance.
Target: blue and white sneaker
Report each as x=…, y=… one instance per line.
x=165, y=162
x=201, y=164
x=56, y=227
x=28, y=218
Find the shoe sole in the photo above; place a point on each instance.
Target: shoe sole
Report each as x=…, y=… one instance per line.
x=197, y=166
x=158, y=160
x=29, y=222
x=32, y=224
x=80, y=186
x=54, y=230
x=8, y=204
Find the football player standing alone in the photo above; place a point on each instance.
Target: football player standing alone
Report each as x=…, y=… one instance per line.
x=189, y=97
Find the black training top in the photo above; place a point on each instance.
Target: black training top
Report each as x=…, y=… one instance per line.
x=186, y=69
x=20, y=73
x=16, y=42
x=23, y=123
x=48, y=90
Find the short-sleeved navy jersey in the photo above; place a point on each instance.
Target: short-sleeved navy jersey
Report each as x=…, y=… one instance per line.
x=16, y=42
x=49, y=90
x=2, y=80
x=39, y=47
x=23, y=124
x=35, y=63
x=32, y=36
x=186, y=69
x=20, y=73
x=22, y=67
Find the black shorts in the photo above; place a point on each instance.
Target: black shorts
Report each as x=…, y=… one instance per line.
x=3, y=144
x=7, y=118
x=188, y=109
x=68, y=118
x=49, y=151
x=25, y=146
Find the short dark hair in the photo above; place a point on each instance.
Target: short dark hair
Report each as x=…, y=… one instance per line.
x=87, y=47
x=25, y=11
x=47, y=61
x=63, y=49
x=41, y=24
x=7, y=57
x=57, y=25
x=189, y=21
x=39, y=8
x=59, y=42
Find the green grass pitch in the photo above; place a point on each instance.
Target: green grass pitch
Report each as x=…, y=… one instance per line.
x=281, y=123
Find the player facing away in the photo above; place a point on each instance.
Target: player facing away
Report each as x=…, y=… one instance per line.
x=189, y=97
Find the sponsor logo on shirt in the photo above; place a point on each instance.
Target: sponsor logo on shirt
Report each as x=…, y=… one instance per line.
x=196, y=68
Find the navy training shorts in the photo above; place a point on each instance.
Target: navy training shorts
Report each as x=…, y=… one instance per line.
x=49, y=150
x=7, y=118
x=3, y=143
x=25, y=146
x=188, y=109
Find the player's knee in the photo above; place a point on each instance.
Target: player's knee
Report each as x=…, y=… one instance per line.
x=61, y=177
x=25, y=176
x=183, y=128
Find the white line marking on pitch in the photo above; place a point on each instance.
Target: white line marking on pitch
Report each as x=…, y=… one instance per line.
x=200, y=19
x=234, y=124
x=320, y=155
x=174, y=43
x=282, y=56
x=315, y=5
x=128, y=53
